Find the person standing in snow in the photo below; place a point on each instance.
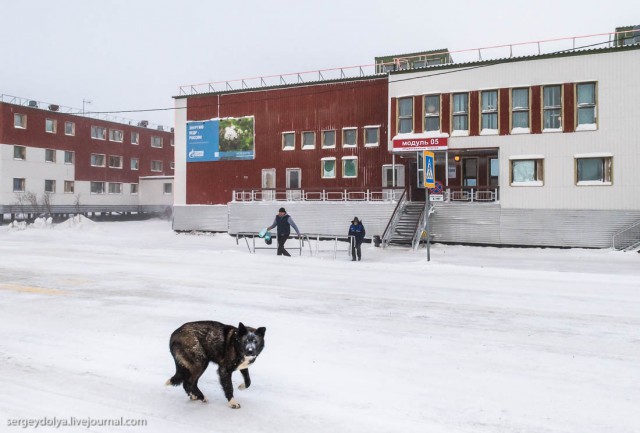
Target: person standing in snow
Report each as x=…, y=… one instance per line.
x=356, y=229
x=284, y=222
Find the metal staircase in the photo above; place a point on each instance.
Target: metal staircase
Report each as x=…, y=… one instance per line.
x=627, y=239
x=403, y=224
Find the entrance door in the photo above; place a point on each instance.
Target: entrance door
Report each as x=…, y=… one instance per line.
x=268, y=183
x=294, y=184
x=416, y=189
x=470, y=171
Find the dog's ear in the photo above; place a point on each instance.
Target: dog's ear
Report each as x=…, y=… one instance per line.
x=260, y=331
x=242, y=330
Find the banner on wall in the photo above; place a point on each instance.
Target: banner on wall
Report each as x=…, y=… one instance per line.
x=228, y=139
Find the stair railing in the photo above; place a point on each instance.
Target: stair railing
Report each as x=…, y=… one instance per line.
x=395, y=217
x=421, y=224
x=626, y=238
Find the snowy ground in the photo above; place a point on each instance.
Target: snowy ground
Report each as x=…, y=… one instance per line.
x=477, y=340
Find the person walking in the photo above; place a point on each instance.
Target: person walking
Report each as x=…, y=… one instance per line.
x=356, y=229
x=284, y=222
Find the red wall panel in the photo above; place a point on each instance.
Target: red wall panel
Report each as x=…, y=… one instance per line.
x=474, y=113
x=568, y=102
x=317, y=107
x=536, y=110
x=418, y=114
x=503, y=106
x=445, y=112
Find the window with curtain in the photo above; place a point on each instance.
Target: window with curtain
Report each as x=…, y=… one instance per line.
x=552, y=100
x=594, y=170
x=329, y=168
x=520, y=108
x=461, y=112
x=432, y=113
x=490, y=109
x=586, y=103
x=405, y=115
x=527, y=172
x=349, y=167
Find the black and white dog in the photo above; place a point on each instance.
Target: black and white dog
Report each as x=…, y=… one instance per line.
x=195, y=344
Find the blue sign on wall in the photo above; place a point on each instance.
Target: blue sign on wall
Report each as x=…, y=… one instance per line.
x=231, y=138
x=203, y=141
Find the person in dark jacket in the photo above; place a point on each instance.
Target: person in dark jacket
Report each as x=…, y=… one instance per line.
x=356, y=229
x=284, y=222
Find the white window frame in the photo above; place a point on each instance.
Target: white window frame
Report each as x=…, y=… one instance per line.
x=157, y=142
x=133, y=189
x=52, y=186
x=73, y=157
x=538, y=161
x=164, y=188
x=303, y=136
x=22, y=182
x=69, y=128
x=135, y=138
x=344, y=133
x=375, y=128
x=50, y=125
x=135, y=166
x=22, y=153
x=116, y=135
x=172, y=165
x=69, y=187
x=52, y=153
x=20, y=121
x=549, y=108
x=323, y=136
x=116, y=158
x=158, y=162
x=115, y=188
x=291, y=170
x=98, y=132
x=344, y=161
x=93, y=158
x=99, y=191
x=399, y=168
x=287, y=134
x=607, y=172
x=323, y=161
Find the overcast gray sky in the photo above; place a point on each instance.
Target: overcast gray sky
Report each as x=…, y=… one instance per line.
x=134, y=54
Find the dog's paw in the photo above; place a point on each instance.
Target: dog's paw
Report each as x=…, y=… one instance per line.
x=242, y=386
x=233, y=404
x=193, y=397
x=204, y=400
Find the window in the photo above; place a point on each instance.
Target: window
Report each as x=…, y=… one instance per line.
x=135, y=138
x=328, y=139
x=115, y=161
x=156, y=165
x=49, y=155
x=20, y=121
x=97, y=160
x=461, y=112
x=98, y=133
x=156, y=141
x=293, y=178
x=167, y=188
x=69, y=187
x=50, y=186
x=490, y=111
x=50, y=125
x=308, y=140
x=69, y=128
x=18, y=184
x=288, y=141
x=171, y=141
x=134, y=189
x=328, y=168
x=69, y=157
x=97, y=187
x=135, y=163
x=405, y=115
x=350, y=167
x=527, y=171
x=388, y=176
x=19, y=152
x=520, y=110
x=115, y=188
x=371, y=136
x=552, y=101
x=268, y=178
x=116, y=135
x=586, y=104
x=432, y=113
x=349, y=137
x=172, y=165
x=593, y=170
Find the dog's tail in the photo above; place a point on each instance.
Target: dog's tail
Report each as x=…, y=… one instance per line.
x=175, y=380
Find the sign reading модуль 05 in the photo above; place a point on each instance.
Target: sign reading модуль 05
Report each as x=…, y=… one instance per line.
x=417, y=144
x=231, y=138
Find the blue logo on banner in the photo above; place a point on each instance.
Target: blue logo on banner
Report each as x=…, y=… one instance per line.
x=203, y=141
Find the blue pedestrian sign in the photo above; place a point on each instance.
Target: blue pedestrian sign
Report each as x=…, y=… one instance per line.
x=429, y=169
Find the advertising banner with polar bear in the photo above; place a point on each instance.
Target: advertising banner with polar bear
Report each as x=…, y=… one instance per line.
x=230, y=138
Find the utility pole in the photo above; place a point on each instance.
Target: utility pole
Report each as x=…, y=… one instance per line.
x=85, y=101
